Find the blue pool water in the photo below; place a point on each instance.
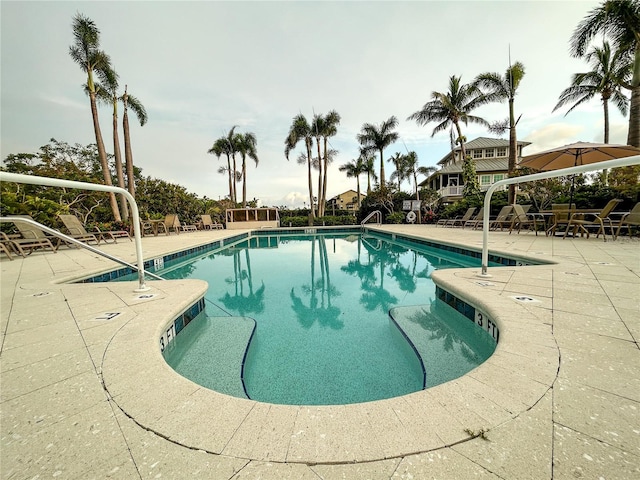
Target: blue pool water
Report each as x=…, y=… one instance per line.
x=323, y=329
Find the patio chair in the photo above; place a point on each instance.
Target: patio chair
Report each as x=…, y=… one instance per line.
x=629, y=219
x=451, y=222
x=475, y=221
x=209, y=224
x=561, y=213
x=520, y=219
x=75, y=227
x=503, y=219
x=25, y=246
x=582, y=222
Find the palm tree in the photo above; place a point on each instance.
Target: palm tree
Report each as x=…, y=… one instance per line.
x=412, y=170
x=86, y=52
x=377, y=138
x=396, y=159
x=610, y=69
x=451, y=108
x=108, y=94
x=220, y=147
x=301, y=130
x=369, y=168
x=247, y=145
x=355, y=168
x=131, y=102
x=620, y=21
x=499, y=88
x=330, y=129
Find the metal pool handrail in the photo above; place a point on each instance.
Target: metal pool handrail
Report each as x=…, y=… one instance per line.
x=619, y=162
x=376, y=213
x=69, y=239
x=57, y=182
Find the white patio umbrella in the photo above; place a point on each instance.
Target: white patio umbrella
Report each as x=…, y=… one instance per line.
x=575, y=154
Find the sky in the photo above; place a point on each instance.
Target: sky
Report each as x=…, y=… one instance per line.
x=202, y=67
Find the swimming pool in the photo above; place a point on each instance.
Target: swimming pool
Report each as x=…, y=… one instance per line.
x=328, y=319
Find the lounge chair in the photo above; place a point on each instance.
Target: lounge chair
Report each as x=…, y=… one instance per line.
x=503, y=219
x=452, y=222
x=26, y=246
x=629, y=219
x=208, y=224
x=76, y=228
x=521, y=219
x=5, y=245
x=31, y=232
x=581, y=222
x=475, y=221
x=171, y=221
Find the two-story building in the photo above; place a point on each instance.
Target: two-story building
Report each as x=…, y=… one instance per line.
x=491, y=156
x=345, y=201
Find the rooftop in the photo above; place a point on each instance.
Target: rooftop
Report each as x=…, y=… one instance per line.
x=85, y=396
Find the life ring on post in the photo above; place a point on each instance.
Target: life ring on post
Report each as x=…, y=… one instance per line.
x=411, y=216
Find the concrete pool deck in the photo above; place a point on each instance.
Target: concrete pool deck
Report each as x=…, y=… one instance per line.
x=82, y=396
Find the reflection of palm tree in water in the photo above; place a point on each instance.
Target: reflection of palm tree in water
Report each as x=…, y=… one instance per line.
x=253, y=302
x=320, y=310
x=440, y=331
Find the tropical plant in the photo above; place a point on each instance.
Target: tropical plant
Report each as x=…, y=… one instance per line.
x=300, y=130
x=108, y=94
x=620, y=21
x=247, y=145
x=609, y=71
x=451, y=108
x=368, y=167
x=224, y=145
x=374, y=138
x=470, y=178
x=412, y=170
x=354, y=169
x=398, y=175
x=86, y=52
x=498, y=88
x=131, y=102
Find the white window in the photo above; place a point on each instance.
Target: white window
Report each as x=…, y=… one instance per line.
x=489, y=153
x=501, y=152
x=485, y=179
x=497, y=177
x=477, y=154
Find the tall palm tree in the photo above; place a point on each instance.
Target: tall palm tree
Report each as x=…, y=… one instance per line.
x=377, y=138
x=247, y=147
x=610, y=69
x=620, y=21
x=412, y=170
x=221, y=147
x=108, y=94
x=451, y=108
x=355, y=168
x=86, y=52
x=499, y=88
x=300, y=130
x=368, y=162
x=330, y=129
x=396, y=159
x=131, y=102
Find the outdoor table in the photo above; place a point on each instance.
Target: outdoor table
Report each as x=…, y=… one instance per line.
x=568, y=212
x=153, y=224
x=546, y=217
